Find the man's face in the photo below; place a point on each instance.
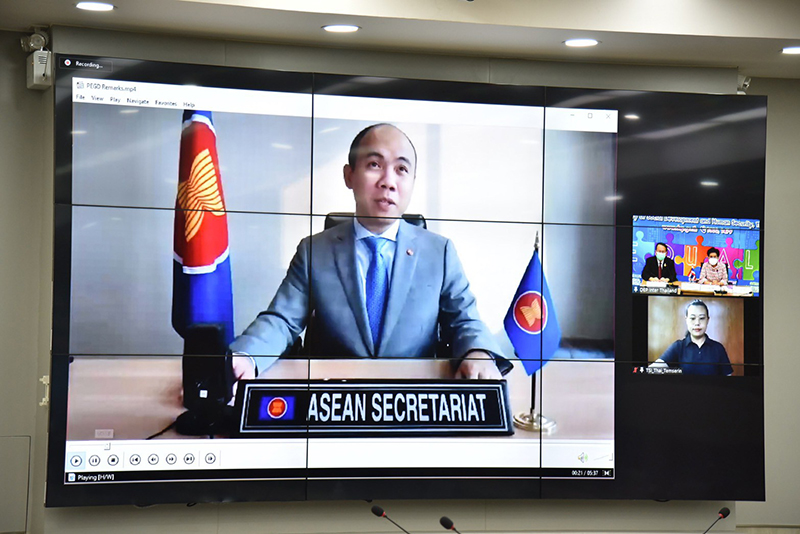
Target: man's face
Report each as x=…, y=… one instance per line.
x=382, y=178
x=661, y=249
x=696, y=321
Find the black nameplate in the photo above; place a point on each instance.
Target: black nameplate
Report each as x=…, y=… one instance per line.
x=355, y=408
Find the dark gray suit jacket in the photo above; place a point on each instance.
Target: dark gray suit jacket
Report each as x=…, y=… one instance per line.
x=428, y=291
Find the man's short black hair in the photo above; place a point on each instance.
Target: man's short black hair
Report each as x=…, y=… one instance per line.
x=663, y=245
x=352, y=156
x=696, y=302
x=711, y=251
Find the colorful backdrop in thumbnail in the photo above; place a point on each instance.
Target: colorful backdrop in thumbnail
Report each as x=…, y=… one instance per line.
x=688, y=240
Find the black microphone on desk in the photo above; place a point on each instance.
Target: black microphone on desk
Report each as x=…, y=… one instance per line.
x=207, y=382
x=378, y=511
x=722, y=514
x=447, y=523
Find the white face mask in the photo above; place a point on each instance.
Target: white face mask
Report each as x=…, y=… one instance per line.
x=713, y=261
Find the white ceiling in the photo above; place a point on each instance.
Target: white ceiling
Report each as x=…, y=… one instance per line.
x=746, y=34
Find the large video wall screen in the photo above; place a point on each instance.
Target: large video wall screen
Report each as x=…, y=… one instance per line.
x=227, y=327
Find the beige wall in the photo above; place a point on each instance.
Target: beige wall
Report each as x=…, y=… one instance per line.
x=25, y=268
x=25, y=173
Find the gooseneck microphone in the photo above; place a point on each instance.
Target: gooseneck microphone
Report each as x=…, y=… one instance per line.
x=722, y=514
x=378, y=511
x=447, y=523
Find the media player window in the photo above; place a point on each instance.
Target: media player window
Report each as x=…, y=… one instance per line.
x=155, y=166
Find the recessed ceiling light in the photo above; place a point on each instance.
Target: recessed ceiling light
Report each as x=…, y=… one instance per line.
x=94, y=6
x=631, y=117
x=581, y=43
x=341, y=28
x=709, y=183
x=613, y=198
x=78, y=132
x=791, y=50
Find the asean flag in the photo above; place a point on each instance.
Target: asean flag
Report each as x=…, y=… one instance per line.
x=531, y=322
x=201, y=291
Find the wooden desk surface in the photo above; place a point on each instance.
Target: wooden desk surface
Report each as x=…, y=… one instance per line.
x=136, y=397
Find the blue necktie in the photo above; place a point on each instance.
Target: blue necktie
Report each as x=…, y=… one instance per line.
x=377, y=275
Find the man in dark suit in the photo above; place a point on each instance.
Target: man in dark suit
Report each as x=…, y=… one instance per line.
x=378, y=287
x=659, y=268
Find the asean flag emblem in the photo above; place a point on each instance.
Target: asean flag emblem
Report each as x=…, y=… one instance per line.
x=277, y=407
x=530, y=312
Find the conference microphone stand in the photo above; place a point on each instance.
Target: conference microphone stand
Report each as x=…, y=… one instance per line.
x=378, y=511
x=722, y=514
x=447, y=523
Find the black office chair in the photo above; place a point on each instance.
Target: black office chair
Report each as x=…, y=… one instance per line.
x=338, y=217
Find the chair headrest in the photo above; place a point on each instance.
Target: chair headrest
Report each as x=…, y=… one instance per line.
x=339, y=217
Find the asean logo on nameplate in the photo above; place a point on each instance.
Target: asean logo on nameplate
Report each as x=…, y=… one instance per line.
x=530, y=312
x=276, y=408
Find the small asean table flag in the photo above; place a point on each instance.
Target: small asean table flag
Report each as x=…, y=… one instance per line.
x=531, y=322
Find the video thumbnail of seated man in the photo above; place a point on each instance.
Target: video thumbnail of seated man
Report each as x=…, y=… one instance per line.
x=379, y=287
x=659, y=268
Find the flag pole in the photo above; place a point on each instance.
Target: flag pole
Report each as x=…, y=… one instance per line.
x=532, y=420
